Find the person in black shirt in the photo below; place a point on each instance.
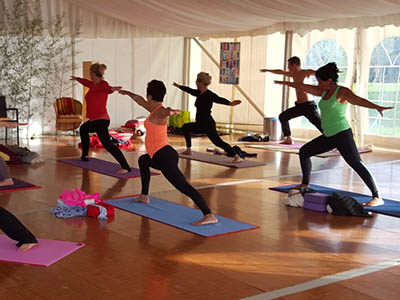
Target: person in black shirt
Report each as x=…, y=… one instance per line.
x=9, y=223
x=15, y=230
x=204, y=121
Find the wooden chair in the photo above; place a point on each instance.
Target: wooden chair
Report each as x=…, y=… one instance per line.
x=68, y=114
x=4, y=117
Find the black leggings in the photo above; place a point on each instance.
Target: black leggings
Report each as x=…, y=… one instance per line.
x=344, y=142
x=307, y=109
x=210, y=129
x=101, y=128
x=14, y=229
x=166, y=160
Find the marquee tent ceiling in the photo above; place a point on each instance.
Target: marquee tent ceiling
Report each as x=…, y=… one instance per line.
x=223, y=18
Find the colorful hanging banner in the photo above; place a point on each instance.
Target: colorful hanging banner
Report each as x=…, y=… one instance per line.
x=229, y=63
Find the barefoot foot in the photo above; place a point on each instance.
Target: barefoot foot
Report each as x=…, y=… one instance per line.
x=122, y=171
x=302, y=185
x=237, y=159
x=142, y=198
x=6, y=182
x=188, y=151
x=26, y=247
x=376, y=201
x=287, y=141
x=207, y=219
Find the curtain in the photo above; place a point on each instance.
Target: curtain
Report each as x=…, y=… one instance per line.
x=379, y=82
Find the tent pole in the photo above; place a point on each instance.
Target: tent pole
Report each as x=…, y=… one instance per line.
x=288, y=54
x=357, y=63
x=186, y=72
x=244, y=94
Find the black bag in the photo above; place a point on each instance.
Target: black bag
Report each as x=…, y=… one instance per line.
x=346, y=206
x=241, y=153
x=254, y=138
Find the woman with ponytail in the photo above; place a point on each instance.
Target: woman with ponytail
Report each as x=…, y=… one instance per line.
x=96, y=112
x=337, y=132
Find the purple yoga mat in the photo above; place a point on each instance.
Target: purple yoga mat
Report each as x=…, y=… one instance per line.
x=103, y=167
x=17, y=186
x=45, y=253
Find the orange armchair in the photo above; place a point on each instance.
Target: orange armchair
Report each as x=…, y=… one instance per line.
x=68, y=114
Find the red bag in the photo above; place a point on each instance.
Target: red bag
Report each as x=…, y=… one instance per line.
x=93, y=211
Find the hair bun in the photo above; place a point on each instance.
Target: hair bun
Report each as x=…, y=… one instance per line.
x=102, y=68
x=333, y=67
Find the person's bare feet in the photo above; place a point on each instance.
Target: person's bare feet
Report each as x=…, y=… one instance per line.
x=142, y=198
x=302, y=185
x=6, y=182
x=122, y=171
x=188, y=151
x=287, y=141
x=26, y=247
x=237, y=159
x=376, y=201
x=207, y=219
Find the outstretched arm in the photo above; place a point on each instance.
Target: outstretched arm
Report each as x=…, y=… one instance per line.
x=115, y=88
x=106, y=88
x=83, y=81
x=278, y=72
x=166, y=112
x=138, y=99
x=345, y=94
x=311, y=89
x=309, y=72
x=187, y=89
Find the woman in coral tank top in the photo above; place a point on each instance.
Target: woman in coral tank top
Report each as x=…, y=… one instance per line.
x=160, y=155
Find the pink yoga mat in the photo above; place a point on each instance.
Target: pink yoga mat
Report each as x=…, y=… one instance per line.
x=45, y=253
x=295, y=147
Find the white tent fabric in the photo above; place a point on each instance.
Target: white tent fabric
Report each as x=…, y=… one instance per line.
x=223, y=18
x=131, y=64
x=135, y=28
x=90, y=23
x=232, y=18
x=252, y=58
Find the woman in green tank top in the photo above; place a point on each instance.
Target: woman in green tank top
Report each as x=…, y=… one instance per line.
x=337, y=132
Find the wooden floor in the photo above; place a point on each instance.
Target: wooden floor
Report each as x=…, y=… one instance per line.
x=132, y=257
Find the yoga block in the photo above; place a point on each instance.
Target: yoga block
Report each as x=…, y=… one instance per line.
x=316, y=201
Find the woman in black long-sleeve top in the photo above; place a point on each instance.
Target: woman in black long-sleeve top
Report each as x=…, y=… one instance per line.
x=204, y=121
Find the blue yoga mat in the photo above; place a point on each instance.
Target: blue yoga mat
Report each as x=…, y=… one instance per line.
x=391, y=207
x=103, y=167
x=179, y=216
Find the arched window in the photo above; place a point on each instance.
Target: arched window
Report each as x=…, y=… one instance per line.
x=384, y=86
x=321, y=53
x=326, y=51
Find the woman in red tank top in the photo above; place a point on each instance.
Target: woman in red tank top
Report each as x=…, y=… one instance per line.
x=96, y=112
x=160, y=155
